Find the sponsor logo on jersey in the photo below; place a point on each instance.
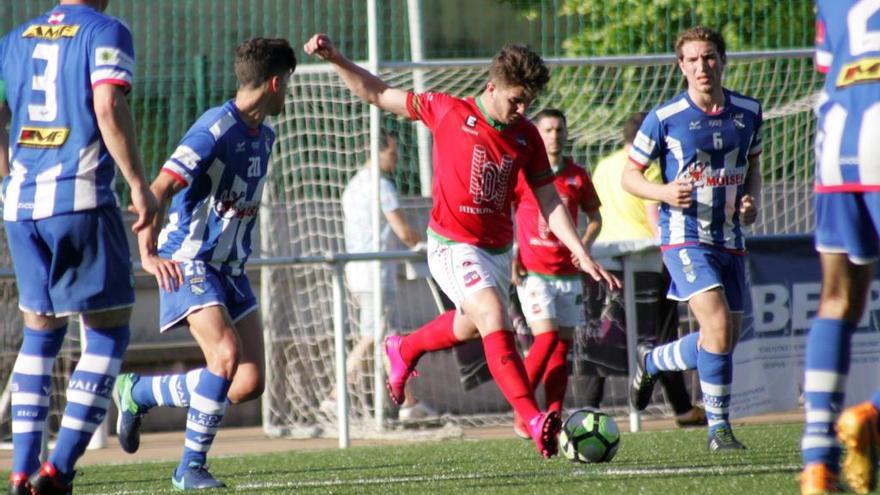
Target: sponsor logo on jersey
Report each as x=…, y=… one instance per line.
x=489, y=180
x=108, y=55
x=471, y=121
x=56, y=18
x=864, y=70
x=43, y=137
x=230, y=205
x=701, y=174
x=50, y=32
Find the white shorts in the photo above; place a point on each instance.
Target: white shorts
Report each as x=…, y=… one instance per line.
x=462, y=269
x=560, y=299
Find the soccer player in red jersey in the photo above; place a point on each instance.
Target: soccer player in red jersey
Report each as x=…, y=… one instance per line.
x=481, y=144
x=547, y=281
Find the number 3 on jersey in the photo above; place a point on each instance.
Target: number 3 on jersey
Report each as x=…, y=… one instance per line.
x=45, y=83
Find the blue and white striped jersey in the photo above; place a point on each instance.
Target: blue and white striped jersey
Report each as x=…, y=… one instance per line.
x=50, y=66
x=848, y=51
x=712, y=152
x=221, y=162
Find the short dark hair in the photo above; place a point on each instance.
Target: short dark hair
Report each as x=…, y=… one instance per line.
x=258, y=59
x=551, y=113
x=701, y=33
x=632, y=125
x=517, y=65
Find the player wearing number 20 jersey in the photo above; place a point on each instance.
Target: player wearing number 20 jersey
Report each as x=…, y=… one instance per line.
x=59, y=161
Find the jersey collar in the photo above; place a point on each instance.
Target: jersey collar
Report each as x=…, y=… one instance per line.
x=248, y=130
x=697, y=108
x=497, y=125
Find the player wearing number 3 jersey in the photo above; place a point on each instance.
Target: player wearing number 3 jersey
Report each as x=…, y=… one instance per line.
x=847, y=231
x=66, y=74
x=480, y=145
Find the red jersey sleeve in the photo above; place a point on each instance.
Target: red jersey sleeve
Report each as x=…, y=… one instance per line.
x=428, y=107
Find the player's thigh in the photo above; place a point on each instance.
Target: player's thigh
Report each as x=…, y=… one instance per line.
x=216, y=334
x=462, y=271
x=844, y=287
x=848, y=223
x=486, y=309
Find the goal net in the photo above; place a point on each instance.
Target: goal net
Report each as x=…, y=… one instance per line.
x=324, y=139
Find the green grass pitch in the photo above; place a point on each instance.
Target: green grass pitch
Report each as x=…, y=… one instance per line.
x=668, y=462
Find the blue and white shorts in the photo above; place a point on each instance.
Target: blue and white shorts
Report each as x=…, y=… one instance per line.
x=205, y=286
x=72, y=263
x=848, y=223
x=698, y=268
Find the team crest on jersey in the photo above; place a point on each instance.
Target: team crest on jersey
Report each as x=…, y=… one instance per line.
x=471, y=121
x=738, y=121
x=864, y=70
x=43, y=137
x=50, y=32
x=197, y=285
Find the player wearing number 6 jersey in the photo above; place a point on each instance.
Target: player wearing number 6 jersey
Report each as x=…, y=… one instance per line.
x=216, y=178
x=66, y=74
x=707, y=142
x=847, y=231
x=480, y=145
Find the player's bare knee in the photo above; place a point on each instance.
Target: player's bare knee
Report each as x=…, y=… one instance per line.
x=43, y=322
x=223, y=358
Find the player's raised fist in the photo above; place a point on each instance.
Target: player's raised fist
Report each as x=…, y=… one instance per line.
x=748, y=211
x=321, y=45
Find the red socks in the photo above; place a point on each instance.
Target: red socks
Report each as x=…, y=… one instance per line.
x=556, y=376
x=432, y=336
x=539, y=353
x=509, y=373
x=546, y=362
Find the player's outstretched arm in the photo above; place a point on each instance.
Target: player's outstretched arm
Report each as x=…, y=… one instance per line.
x=117, y=130
x=360, y=81
x=562, y=227
x=5, y=118
x=167, y=272
x=678, y=193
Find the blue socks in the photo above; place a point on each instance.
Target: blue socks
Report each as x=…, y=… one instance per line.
x=825, y=369
x=716, y=375
x=207, y=406
x=165, y=390
x=32, y=386
x=680, y=355
x=88, y=394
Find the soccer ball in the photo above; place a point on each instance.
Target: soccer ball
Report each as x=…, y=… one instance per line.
x=589, y=436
